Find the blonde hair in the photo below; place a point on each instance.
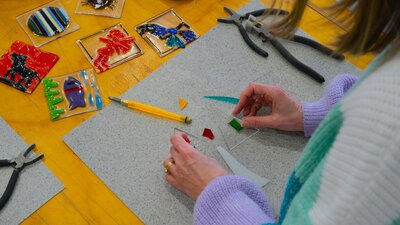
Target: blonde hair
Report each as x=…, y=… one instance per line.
x=374, y=24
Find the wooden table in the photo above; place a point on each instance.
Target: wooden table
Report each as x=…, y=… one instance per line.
x=85, y=199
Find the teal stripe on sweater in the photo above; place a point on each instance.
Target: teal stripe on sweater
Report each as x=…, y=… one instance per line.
x=303, y=185
x=396, y=221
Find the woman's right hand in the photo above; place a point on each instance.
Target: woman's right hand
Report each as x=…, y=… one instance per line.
x=286, y=112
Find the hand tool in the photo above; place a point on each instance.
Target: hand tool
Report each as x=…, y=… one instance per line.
x=237, y=19
x=18, y=163
x=247, y=23
x=152, y=110
x=261, y=29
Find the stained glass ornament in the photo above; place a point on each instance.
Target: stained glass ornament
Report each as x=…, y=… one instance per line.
x=166, y=32
x=48, y=21
x=24, y=66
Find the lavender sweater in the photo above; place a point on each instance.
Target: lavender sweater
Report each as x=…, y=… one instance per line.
x=236, y=200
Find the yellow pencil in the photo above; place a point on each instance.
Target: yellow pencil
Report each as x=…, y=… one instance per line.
x=152, y=110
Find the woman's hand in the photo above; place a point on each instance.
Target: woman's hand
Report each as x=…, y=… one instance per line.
x=189, y=170
x=286, y=112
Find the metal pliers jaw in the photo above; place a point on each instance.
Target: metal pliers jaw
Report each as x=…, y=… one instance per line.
x=21, y=160
x=234, y=18
x=237, y=19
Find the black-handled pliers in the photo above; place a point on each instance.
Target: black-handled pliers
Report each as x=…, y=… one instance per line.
x=252, y=25
x=237, y=19
x=18, y=163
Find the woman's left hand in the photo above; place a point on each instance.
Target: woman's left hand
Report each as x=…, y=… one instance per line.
x=189, y=170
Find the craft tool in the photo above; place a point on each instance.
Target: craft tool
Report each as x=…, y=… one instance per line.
x=18, y=163
x=152, y=110
x=251, y=24
x=237, y=19
x=226, y=99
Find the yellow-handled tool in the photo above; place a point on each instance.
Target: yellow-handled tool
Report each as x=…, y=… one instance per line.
x=152, y=110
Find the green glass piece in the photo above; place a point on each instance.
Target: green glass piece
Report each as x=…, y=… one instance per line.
x=50, y=98
x=235, y=124
x=57, y=111
x=48, y=82
x=51, y=92
x=47, y=89
x=54, y=116
x=55, y=101
x=53, y=107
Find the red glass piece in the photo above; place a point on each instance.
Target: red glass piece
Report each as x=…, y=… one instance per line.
x=116, y=41
x=208, y=134
x=32, y=60
x=186, y=139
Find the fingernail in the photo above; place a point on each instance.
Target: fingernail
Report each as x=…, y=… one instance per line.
x=245, y=123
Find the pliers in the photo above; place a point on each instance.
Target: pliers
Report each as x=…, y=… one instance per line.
x=18, y=163
x=237, y=19
x=261, y=29
x=250, y=24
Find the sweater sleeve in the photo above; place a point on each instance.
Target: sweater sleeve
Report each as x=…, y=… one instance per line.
x=314, y=112
x=232, y=200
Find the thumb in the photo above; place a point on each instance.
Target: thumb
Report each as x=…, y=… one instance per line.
x=259, y=122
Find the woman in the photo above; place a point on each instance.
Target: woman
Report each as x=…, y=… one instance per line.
x=349, y=172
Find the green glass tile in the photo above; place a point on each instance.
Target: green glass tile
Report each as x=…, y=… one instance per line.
x=235, y=124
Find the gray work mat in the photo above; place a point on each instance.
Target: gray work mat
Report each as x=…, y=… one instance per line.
x=126, y=148
x=36, y=184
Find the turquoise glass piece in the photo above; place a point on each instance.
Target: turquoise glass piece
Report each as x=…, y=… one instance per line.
x=230, y=100
x=175, y=41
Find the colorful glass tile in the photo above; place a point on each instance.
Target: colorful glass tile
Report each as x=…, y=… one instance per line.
x=100, y=4
x=48, y=21
x=24, y=66
x=171, y=35
x=116, y=42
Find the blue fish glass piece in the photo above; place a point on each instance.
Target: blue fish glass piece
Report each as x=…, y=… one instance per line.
x=74, y=92
x=175, y=41
x=188, y=35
